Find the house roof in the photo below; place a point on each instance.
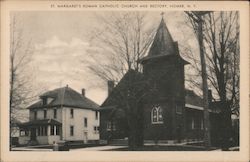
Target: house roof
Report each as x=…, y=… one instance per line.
x=66, y=97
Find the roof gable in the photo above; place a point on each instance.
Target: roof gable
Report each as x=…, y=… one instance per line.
x=131, y=76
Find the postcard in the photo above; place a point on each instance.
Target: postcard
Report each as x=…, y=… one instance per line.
x=124, y=81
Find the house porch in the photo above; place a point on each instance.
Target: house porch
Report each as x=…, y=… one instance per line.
x=40, y=132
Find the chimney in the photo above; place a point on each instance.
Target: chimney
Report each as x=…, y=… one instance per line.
x=83, y=92
x=111, y=85
x=210, y=96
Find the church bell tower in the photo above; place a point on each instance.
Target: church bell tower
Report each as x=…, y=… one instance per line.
x=164, y=69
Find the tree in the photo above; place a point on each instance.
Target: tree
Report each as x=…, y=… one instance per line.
x=124, y=39
x=20, y=87
x=221, y=46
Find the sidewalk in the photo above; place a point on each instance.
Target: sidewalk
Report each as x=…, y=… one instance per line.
x=174, y=144
x=29, y=149
x=98, y=148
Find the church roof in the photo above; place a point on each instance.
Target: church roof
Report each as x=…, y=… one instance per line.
x=67, y=97
x=163, y=44
x=114, y=98
x=192, y=98
x=193, y=101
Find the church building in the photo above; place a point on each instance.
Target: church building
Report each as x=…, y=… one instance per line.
x=174, y=113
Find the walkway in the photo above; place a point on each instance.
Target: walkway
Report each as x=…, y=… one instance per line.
x=98, y=148
x=29, y=149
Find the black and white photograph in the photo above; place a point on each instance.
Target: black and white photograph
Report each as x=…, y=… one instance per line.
x=124, y=80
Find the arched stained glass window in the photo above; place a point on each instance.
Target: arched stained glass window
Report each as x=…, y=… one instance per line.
x=154, y=115
x=160, y=115
x=157, y=115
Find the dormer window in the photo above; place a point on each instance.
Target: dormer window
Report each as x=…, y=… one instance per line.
x=35, y=115
x=45, y=114
x=55, y=113
x=71, y=113
x=96, y=115
x=44, y=101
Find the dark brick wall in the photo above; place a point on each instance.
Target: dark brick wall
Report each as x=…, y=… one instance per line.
x=196, y=132
x=119, y=132
x=167, y=77
x=104, y=134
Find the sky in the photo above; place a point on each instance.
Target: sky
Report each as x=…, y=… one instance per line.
x=61, y=42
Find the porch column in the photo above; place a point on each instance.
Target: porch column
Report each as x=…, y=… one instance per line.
x=37, y=129
x=48, y=130
x=55, y=130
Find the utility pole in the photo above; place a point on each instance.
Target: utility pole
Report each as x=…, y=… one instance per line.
x=196, y=16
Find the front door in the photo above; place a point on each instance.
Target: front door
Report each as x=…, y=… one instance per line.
x=33, y=134
x=85, y=137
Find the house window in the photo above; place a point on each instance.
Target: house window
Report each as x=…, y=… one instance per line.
x=178, y=109
x=202, y=124
x=157, y=115
x=42, y=131
x=57, y=130
x=96, y=115
x=72, y=113
x=24, y=133
x=85, y=122
x=192, y=123
x=45, y=131
x=96, y=129
x=52, y=130
x=44, y=114
x=55, y=113
x=39, y=131
x=109, y=125
x=35, y=115
x=71, y=130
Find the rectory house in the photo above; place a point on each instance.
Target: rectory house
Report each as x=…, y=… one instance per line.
x=61, y=114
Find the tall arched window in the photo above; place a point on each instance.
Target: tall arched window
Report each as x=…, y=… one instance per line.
x=156, y=115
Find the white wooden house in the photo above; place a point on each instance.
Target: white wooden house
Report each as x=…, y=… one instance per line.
x=61, y=114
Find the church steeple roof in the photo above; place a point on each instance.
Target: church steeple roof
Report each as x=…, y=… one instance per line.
x=163, y=43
